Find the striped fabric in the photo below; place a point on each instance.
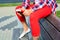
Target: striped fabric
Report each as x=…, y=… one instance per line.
x=40, y=4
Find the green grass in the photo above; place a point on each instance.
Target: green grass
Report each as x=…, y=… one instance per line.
x=58, y=1
x=58, y=14
x=9, y=4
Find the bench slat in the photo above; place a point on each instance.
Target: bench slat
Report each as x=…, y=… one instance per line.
x=55, y=21
x=53, y=32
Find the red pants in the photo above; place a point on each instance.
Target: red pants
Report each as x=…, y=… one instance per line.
x=21, y=18
x=35, y=17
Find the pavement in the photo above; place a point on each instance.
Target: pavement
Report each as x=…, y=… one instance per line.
x=10, y=27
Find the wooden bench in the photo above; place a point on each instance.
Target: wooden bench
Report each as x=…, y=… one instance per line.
x=50, y=28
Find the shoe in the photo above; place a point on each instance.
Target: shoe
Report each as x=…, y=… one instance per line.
x=24, y=32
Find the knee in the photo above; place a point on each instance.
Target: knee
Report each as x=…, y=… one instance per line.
x=33, y=17
x=21, y=18
x=17, y=7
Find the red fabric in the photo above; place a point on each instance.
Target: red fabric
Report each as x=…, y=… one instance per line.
x=21, y=18
x=35, y=17
x=18, y=7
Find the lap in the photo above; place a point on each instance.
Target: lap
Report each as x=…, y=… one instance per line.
x=41, y=13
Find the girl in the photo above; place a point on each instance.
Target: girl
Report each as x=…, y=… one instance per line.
x=19, y=13
x=41, y=9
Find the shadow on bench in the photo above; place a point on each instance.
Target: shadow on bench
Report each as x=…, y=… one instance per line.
x=50, y=28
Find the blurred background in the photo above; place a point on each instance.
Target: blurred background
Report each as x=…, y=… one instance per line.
x=9, y=28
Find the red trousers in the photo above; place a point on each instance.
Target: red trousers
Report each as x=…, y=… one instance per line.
x=21, y=18
x=35, y=17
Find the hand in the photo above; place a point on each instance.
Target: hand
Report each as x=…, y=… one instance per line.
x=27, y=12
x=22, y=9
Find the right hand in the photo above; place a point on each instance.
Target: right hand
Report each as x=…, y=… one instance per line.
x=27, y=12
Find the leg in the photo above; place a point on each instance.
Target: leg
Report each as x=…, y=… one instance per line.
x=23, y=21
x=34, y=21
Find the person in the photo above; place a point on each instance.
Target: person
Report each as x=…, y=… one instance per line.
x=41, y=9
x=22, y=19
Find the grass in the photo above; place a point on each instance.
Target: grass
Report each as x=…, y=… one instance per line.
x=58, y=14
x=58, y=1
x=9, y=4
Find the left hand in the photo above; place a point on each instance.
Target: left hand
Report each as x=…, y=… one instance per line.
x=27, y=12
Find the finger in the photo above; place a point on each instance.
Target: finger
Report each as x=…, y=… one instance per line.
x=19, y=14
